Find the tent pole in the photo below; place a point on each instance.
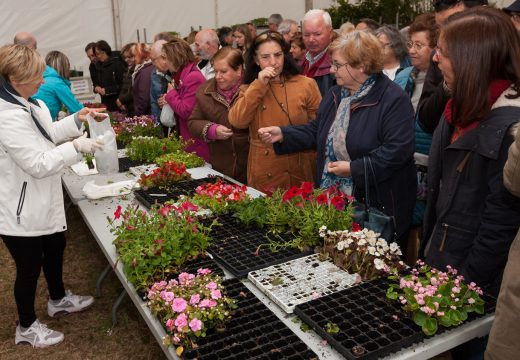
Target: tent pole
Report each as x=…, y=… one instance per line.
x=116, y=23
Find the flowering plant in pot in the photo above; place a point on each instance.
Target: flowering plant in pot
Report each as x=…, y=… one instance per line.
x=361, y=251
x=301, y=211
x=220, y=197
x=189, y=306
x=154, y=244
x=191, y=160
x=128, y=127
x=435, y=297
x=148, y=148
x=164, y=176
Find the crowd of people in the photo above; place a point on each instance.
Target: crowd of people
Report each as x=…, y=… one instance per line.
x=277, y=108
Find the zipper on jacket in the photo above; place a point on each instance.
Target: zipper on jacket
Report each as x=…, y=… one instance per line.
x=443, y=242
x=21, y=200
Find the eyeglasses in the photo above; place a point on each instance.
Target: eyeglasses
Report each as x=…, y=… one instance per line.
x=268, y=35
x=337, y=66
x=440, y=52
x=416, y=45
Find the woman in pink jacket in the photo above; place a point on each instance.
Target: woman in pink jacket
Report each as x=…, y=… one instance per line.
x=187, y=79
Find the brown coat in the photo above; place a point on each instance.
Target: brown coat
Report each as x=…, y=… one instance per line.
x=226, y=156
x=504, y=338
x=260, y=105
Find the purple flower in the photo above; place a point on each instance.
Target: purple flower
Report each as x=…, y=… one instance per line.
x=179, y=305
x=195, y=324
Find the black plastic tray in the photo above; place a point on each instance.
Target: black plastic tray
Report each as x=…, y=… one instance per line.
x=367, y=320
x=151, y=196
x=254, y=332
x=125, y=164
x=235, y=246
x=191, y=267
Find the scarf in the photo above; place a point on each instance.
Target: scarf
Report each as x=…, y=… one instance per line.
x=336, y=147
x=228, y=95
x=496, y=88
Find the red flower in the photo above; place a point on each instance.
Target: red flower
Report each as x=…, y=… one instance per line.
x=117, y=213
x=292, y=192
x=322, y=199
x=338, y=202
x=165, y=210
x=306, y=189
x=356, y=227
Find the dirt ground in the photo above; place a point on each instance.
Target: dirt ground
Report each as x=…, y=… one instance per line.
x=88, y=335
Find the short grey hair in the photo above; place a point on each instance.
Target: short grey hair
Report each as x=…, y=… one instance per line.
x=315, y=13
x=275, y=19
x=396, y=39
x=157, y=46
x=285, y=26
x=210, y=36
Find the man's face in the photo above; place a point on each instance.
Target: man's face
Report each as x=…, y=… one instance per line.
x=92, y=57
x=159, y=61
x=316, y=35
x=203, y=48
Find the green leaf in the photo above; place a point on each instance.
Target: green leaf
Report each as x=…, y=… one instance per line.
x=430, y=326
x=420, y=318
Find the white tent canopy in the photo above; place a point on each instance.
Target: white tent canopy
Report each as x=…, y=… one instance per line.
x=68, y=25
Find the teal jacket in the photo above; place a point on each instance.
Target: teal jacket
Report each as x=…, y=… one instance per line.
x=55, y=92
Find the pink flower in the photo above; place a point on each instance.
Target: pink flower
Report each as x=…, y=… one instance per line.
x=194, y=299
x=211, y=286
x=212, y=303
x=471, y=301
x=195, y=324
x=204, y=303
x=185, y=277
x=440, y=313
x=455, y=289
x=215, y=294
x=176, y=339
x=169, y=324
x=204, y=271
x=181, y=321
x=167, y=296
x=117, y=213
x=179, y=305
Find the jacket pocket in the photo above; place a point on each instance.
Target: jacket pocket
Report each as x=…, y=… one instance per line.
x=21, y=201
x=456, y=240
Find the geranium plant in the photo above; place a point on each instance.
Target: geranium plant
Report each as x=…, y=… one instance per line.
x=191, y=160
x=361, y=251
x=302, y=211
x=148, y=148
x=189, y=306
x=220, y=197
x=435, y=297
x=129, y=127
x=154, y=244
x=164, y=176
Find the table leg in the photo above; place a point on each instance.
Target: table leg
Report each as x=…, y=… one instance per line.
x=100, y=279
x=116, y=305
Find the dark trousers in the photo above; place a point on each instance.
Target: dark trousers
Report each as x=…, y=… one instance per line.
x=30, y=254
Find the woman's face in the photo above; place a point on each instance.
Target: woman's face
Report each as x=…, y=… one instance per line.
x=347, y=76
x=442, y=57
x=296, y=51
x=270, y=54
x=420, y=50
x=239, y=38
x=28, y=88
x=129, y=57
x=225, y=76
x=388, y=52
x=101, y=55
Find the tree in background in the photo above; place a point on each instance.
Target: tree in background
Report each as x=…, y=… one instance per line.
x=397, y=12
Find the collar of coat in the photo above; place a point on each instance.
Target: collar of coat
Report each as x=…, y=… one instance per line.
x=372, y=98
x=486, y=139
x=8, y=93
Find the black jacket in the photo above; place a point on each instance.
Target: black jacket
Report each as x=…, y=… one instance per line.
x=110, y=77
x=471, y=219
x=382, y=127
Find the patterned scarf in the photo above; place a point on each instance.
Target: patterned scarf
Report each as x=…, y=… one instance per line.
x=336, y=147
x=229, y=94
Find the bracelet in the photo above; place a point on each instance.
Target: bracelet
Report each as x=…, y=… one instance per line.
x=205, y=132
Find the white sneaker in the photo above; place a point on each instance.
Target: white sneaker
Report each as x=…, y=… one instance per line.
x=69, y=304
x=38, y=335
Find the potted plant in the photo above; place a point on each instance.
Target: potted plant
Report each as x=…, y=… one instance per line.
x=129, y=127
x=360, y=251
x=435, y=297
x=220, y=197
x=148, y=148
x=189, y=306
x=155, y=244
x=89, y=159
x=164, y=176
x=191, y=160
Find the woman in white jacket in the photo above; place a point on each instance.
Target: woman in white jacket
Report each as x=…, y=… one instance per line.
x=32, y=215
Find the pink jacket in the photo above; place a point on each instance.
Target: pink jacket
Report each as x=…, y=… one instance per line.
x=182, y=101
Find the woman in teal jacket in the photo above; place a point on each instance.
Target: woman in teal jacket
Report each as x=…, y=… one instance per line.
x=55, y=91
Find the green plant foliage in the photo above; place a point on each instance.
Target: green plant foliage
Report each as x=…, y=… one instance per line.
x=147, y=148
x=190, y=160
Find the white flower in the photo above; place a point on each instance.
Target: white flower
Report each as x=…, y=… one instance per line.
x=394, y=249
x=322, y=231
x=371, y=250
x=341, y=245
x=381, y=242
x=362, y=242
x=379, y=264
x=372, y=241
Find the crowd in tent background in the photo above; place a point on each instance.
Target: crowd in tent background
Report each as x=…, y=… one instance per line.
x=276, y=108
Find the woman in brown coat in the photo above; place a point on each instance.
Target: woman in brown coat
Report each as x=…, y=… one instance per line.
x=275, y=95
x=228, y=146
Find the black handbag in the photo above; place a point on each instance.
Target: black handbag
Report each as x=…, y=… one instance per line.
x=372, y=217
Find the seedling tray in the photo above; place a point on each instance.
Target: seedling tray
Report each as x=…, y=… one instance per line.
x=301, y=280
x=235, y=246
x=253, y=332
x=125, y=164
x=151, y=196
x=191, y=267
x=370, y=326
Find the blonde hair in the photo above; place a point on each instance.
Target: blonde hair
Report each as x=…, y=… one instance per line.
x=20, y=63
x=178, y=53
x=59, y=62
x=360, y=48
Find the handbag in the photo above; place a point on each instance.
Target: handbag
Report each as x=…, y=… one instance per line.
x=372, y=217
x=167, y=117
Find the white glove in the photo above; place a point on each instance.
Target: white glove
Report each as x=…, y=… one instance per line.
x=86, y=145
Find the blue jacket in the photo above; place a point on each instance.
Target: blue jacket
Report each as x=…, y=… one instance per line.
x=382, y=127
x=55, y=92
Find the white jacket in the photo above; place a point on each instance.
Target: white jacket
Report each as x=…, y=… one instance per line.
x=31, y=195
